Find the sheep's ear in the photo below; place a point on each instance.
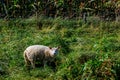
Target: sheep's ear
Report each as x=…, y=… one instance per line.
x=50, y=47
x=58, y=47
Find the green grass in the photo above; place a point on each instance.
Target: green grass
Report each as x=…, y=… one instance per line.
x=88, y=51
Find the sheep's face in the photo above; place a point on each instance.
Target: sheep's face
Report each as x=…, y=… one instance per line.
x=54, y=51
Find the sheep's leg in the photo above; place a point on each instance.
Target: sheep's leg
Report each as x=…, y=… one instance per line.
x=32, y=63
x=27, y=62
x=44, y=63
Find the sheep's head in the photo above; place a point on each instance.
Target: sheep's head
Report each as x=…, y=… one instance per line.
x=54, y=50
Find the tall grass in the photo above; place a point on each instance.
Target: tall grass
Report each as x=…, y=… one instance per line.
x=88, y=51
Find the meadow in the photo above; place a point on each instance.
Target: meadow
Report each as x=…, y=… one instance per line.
x=89, y=51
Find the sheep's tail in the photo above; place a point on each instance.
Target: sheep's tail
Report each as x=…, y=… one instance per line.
x=25, y=57
x=24, y=54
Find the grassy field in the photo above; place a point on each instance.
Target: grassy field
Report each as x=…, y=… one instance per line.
x=88, y=51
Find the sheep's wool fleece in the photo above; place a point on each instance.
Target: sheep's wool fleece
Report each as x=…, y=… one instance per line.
x=38, y=51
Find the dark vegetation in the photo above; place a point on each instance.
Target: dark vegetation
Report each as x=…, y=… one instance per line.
x=105, y=9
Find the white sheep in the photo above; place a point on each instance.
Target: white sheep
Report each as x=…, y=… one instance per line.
x=39, y=53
